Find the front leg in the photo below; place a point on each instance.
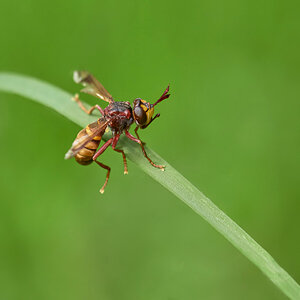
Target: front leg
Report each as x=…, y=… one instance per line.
x=87, y=111
x=135, y=130
x=131, y=137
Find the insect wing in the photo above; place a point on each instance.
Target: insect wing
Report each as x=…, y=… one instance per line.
x=79, y=143
x=92, y=86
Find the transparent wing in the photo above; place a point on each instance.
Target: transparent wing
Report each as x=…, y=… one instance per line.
x=79, y=143
x=92, y=86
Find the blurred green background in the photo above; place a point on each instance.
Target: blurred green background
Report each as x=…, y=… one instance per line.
x=231, y=127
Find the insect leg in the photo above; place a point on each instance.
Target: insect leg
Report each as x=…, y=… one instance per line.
x=107, y=175
x=131, y=137
x=88, y=111
x=135, y=130
x=102, y=149
x=124, y=161
x=97, y=154
x=114, y=143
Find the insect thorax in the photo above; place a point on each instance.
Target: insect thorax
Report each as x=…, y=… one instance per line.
x=119, y=115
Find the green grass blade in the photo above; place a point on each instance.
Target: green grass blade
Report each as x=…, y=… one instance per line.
x=60, y=101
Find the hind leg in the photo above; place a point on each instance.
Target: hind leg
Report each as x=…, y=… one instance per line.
x=87, y=111
x=107, y=175
x=98, y=153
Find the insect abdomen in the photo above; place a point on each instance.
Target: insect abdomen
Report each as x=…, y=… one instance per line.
x=85, y=155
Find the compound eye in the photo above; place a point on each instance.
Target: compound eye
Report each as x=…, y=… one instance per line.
x=140, y=115
x=137, y=102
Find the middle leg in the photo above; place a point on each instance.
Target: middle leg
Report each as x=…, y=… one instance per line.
x=114, y=144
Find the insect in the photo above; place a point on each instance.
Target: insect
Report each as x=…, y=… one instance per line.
x=118, y=116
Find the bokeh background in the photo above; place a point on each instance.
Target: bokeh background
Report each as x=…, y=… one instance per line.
x=231, y=127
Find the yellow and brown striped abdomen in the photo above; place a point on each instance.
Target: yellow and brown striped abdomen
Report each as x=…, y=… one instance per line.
x=85, y=155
